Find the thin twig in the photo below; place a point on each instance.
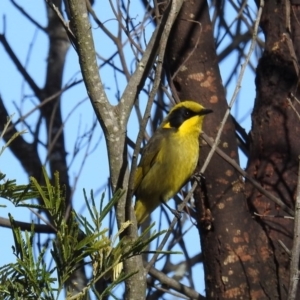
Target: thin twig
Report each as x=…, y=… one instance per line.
x=294, y=266
x=52, y=143
x=170, y=229
x=82, y=164
x=249, y=178
x=42, y=103
x=292, y=105
x=139, y=140
x=23, y=12
x=163, y=44
x=132, y=42
x=139, y=76
x=237, y=88
x=37, y=91
x=64, y=23
x=190, y=53
x=214, y=145
x=284, y=247
x=174, y=284
x=273, y=216
x=42, y=218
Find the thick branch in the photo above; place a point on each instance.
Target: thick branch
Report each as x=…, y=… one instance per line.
x=81, y=28
x=38, y=228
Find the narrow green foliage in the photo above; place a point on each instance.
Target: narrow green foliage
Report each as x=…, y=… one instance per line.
x=12, y=138
x=28, y=277
x=130, y=249
x=78, y=240
x=16, y=193
x=53, y=197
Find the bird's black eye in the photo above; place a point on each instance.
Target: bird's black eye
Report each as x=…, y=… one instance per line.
x=180, y=115
x=187, y=113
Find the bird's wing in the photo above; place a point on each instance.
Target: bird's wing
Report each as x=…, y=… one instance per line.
x=149, y=154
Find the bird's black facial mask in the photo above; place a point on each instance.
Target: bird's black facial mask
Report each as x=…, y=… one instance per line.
x=180, y=115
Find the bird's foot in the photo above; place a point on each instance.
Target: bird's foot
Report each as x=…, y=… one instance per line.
x=199, y=177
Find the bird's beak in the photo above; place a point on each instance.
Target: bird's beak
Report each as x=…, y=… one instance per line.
x=205, y=111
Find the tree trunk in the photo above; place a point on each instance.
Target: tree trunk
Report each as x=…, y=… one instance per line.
x=275, y=144
x=238, y=257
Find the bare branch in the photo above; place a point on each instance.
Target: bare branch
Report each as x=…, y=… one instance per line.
x=23, y=12
x=20, y=67
x=172, y=16
x=38, y=228
x=87, y=57
x=294, y=265
x=238, y=86
x=174, y=284
x=250, y=179
x=139, y=76
x=25, y=152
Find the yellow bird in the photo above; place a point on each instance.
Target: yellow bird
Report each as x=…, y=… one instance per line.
x=169, y=159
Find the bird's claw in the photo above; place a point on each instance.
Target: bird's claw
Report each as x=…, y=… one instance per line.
x=199, y=177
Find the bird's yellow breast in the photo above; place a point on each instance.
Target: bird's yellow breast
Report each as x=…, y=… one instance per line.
x=176, y=165
x=173, y=166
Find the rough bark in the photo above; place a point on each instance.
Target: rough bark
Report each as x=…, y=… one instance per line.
x=275, y=144
x=238, y=259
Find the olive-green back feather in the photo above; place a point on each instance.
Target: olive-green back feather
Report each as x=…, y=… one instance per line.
x=149, y=155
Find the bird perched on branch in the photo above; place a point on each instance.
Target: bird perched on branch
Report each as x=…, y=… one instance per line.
x=169, y=159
